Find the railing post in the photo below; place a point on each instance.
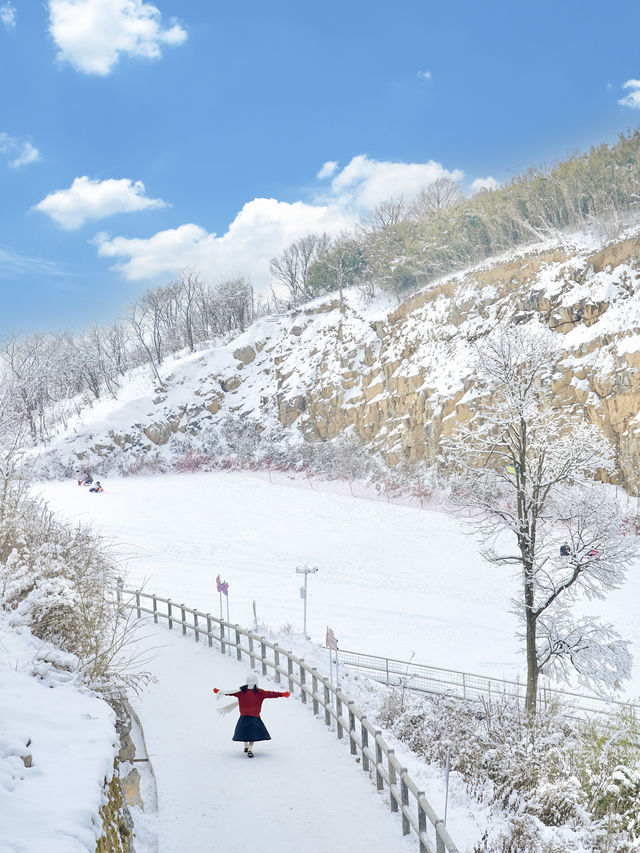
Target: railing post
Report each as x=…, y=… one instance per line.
x=209, y=630
x=184, y=619
x=290, y=671
x=422, y=823
x=392, y=780
x=352, y=727
x=169, y=612
x=464, y=686
x=155, y=608
x=303, y=692
x=223, y=646
x=314, y=689
x=276, y=661
x=238, y=649
x=339, y=716
x=251, y=654
x=119, y=588
x=386, y=660
x=365, y=743
x=327, y=706
x=263, y=656
x=195, y=626
x=379, y=778
x=404, y=796
x=439, y=842
x=139, y=614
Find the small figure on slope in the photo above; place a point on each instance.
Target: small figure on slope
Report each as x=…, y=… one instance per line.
x=250, y=697
x=96, y=487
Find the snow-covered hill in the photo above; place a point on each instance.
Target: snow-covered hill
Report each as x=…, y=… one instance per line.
x=396, y=378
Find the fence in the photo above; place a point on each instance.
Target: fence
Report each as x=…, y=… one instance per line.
x=365, y=740
x=464, y=685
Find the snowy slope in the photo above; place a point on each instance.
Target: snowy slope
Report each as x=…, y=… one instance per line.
x=66, y=734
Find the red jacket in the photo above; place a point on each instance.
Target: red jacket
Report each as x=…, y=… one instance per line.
x=251, y=700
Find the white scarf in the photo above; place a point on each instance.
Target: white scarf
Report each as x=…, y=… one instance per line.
x=227, y=709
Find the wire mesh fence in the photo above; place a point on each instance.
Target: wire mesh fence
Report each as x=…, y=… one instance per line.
x=464, y=685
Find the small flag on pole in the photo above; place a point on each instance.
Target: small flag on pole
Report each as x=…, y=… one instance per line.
x=223, y=586
x=331, y=641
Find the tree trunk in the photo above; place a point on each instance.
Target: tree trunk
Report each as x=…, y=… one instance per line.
x=532, y=658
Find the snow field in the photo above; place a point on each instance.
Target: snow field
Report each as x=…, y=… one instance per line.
x=393, y=580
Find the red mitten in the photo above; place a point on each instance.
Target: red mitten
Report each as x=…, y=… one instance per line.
x=216, y=690
x=286, y=693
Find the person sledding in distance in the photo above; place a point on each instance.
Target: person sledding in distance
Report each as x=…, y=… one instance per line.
x=250, y=697
x=96, y=487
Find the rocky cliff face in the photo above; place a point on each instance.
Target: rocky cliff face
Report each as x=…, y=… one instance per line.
x=402, y=378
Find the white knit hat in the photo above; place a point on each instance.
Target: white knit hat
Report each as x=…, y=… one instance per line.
x=251, y=680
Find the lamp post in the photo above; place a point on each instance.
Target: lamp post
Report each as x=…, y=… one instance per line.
x=306, y=571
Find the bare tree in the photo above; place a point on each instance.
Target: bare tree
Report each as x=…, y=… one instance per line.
x=387, y=212
x=291, y=267
x=526, y=469
x=137, y=316
x=442, y=194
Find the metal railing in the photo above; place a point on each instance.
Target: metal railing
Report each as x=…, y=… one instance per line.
x=377, y=759
x=464, y=685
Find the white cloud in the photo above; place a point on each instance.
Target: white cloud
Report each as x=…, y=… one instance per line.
x=21, y=152
x=13, y=262
x=488, y=183
x=328, y=169
x=364, y=182
x=86, y=199
x=633, y=98
x=265, y=226
x=28, y=154
x=260, y=231
x=424, y=75
x=8, y=15
x=92, y=34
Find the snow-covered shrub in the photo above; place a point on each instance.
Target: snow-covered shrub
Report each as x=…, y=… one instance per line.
x=543, y=772
x=58, y=579
x=608, y=763
x=522, y=835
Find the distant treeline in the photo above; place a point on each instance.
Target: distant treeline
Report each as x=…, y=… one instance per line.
x=401, y=246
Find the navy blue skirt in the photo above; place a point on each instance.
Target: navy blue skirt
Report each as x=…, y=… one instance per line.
x=250, y=729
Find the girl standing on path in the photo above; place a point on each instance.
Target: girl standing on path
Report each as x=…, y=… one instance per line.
x=250, y=727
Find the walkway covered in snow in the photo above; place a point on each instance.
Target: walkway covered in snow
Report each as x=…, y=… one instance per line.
x=303, y=791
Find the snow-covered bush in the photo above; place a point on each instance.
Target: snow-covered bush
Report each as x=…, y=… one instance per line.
x=57, y=579
x=544, y=772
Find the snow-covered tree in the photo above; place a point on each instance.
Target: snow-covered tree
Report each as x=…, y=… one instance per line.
x=526, y=468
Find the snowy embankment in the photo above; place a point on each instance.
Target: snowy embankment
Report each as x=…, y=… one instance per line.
x=57, y=746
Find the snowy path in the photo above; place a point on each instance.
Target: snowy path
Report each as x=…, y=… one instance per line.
x=302, y=791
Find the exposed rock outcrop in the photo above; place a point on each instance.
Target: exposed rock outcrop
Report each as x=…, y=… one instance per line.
x=400, y=380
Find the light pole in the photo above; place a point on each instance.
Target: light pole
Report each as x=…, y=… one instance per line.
x=306, y=571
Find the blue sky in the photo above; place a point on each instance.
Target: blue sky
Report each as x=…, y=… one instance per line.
x=137, y=139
